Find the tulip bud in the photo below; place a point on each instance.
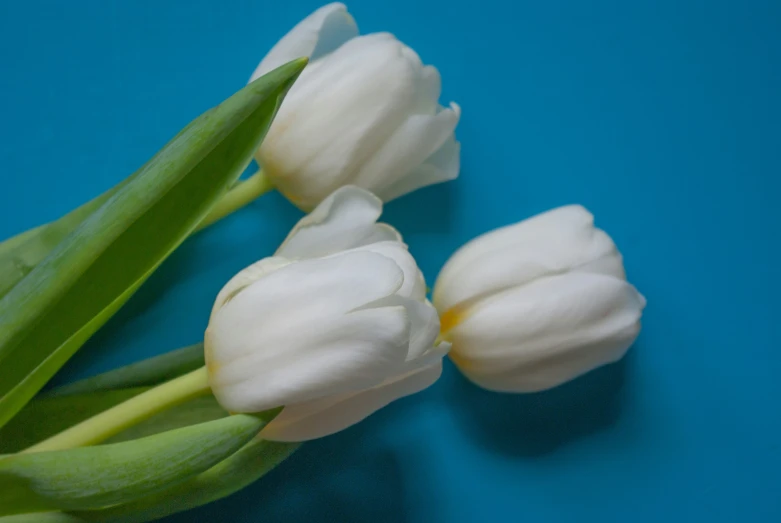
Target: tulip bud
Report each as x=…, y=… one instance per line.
x=532, y=305
x=364, y=112
x=334, y=326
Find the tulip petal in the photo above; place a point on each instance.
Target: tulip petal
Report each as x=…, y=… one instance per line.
x=290, y=336
x=246, y=277
x=392, y=171
x=547, y=332
x=562, y=221
x=424, y=324
x=352, y=352
x=346, y=219
x=338, y=113
x=554, y=242
x=316, y=35
x=329, y=415
x=429, y=89
x=414, y=285
x=306, y=291
x=442, y=166
x=382, y=232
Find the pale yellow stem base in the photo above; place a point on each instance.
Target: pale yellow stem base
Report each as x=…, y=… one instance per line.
x=131, y=412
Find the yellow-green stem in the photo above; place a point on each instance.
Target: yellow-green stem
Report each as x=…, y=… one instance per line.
x=131, y=412
x=243, y=193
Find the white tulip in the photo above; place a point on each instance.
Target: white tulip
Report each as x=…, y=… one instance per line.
x=532, y=305
x=364, y=112
x=334, y=326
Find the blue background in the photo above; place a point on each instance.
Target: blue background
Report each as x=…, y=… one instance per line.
x=662, y=117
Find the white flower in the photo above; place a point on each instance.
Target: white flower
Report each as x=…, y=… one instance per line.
x=532, y=305
x=334, y=326
x=364, y=112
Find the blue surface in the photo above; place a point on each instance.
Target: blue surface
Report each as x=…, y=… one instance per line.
x=662, y=117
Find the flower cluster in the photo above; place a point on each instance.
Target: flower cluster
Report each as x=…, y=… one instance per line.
x=335, y=325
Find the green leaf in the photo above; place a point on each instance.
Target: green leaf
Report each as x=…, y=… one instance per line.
x=145, y=373
x=197, y=410
x=46, y=416
x=97, y=477
x=247, y=465
x=50, y=313
x=231, y=475
x=12, y=243
x=19, y=255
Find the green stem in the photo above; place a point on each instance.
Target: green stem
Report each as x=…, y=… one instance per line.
x=131, y=412
x=239, y=196
x=150, y=372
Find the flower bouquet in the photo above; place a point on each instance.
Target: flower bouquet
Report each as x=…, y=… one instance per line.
x=334, y=325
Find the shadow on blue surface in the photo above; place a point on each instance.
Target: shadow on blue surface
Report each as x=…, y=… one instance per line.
x=326, y=480
x=363, y=475
x=429, y=210
x=541, y=423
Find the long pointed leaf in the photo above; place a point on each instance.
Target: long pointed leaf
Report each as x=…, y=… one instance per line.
x=247, y=465
x=48, y=315
x=234, y=473
x=97, y=477
x=19, y=255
